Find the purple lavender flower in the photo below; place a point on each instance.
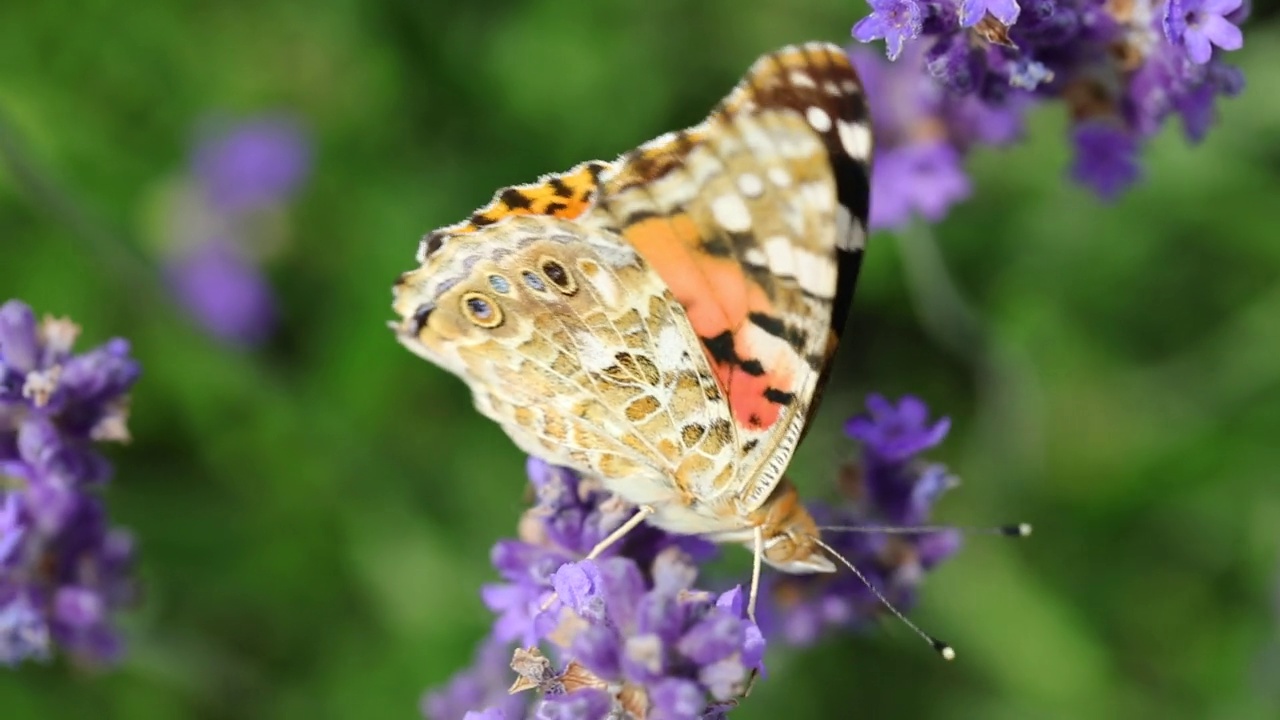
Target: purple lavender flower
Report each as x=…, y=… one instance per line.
x=11, y=529
x=64, y=571
x=668, y=649
x=1197, y=25
x=1106, y=158
x=484, y=685
x=239, y=173
x=922, y=132
x=660, y=635
x=1121, y=69
x=920, y=179
x=896, y=21
x=693, y=643
x=252, y=165
x=890, y=486
x=488, y=714
x=571, y=517
x=225, y=292
x=895, y=433
x=24, y=631
x=972, y=11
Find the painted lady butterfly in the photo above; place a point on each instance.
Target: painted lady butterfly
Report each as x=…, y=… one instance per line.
x=666, y=322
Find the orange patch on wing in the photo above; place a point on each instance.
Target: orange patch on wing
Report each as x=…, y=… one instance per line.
x=718, y=297
x=567, y=195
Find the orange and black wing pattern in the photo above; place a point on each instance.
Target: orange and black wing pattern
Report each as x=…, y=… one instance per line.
x=756, y=219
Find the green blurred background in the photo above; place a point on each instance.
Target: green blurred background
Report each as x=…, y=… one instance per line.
x=315, y=516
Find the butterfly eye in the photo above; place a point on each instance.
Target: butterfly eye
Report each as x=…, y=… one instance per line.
x=481, y=311
x=559, y=276
x=499, y=283
x=532, y=280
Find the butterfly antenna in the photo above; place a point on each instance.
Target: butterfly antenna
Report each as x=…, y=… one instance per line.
x=946, y=651
x=1014, y=530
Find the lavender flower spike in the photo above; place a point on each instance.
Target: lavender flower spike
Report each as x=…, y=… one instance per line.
x=890, y=485
x=253, y=164
x=239, y=173
x=969, y=70
x=64, y=571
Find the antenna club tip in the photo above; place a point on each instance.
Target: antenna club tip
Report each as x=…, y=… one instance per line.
x=1024, y=529
x=1017, y=530
x=946, y=651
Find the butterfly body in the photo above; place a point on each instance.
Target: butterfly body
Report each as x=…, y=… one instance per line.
x=665, y=322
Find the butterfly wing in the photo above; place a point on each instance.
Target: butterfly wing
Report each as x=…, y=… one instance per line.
x=741, y=235
x=577, y=349
x=756, y=219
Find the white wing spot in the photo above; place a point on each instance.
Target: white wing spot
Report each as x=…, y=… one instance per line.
x=856, y=139
x=850, y=235
x=831, y=87
x=780, y=177
x=815, y=273
x=818, y=118
x=781, y=260
x=755, y=256
x=819, y=195
x=800, y=79
x=750, y=185
x=732, y=213
x=669, y=347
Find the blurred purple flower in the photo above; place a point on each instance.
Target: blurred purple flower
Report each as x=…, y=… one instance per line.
x=253, y=164
x=484, y=684
x=1106, y=158
x=895, y=433
x=967, y=70
x=890, y=486
x=64, y=571
x=919, y=179
x=922, y=132
x=214, y=256
x=224, y=291
x=490, y=714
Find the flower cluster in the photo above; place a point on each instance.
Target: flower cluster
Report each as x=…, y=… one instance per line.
x=890, y=486
x=627, y=633
x=63, y=569
x=965, y=71
x=224, y=220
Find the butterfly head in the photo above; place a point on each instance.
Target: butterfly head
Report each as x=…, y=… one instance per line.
x=789, y=532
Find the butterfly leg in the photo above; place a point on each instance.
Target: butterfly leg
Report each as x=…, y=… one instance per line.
x=642, y=512
x=755, y=572
x=751, y=598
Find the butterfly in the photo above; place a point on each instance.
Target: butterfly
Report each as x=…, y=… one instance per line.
x=666, y=322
